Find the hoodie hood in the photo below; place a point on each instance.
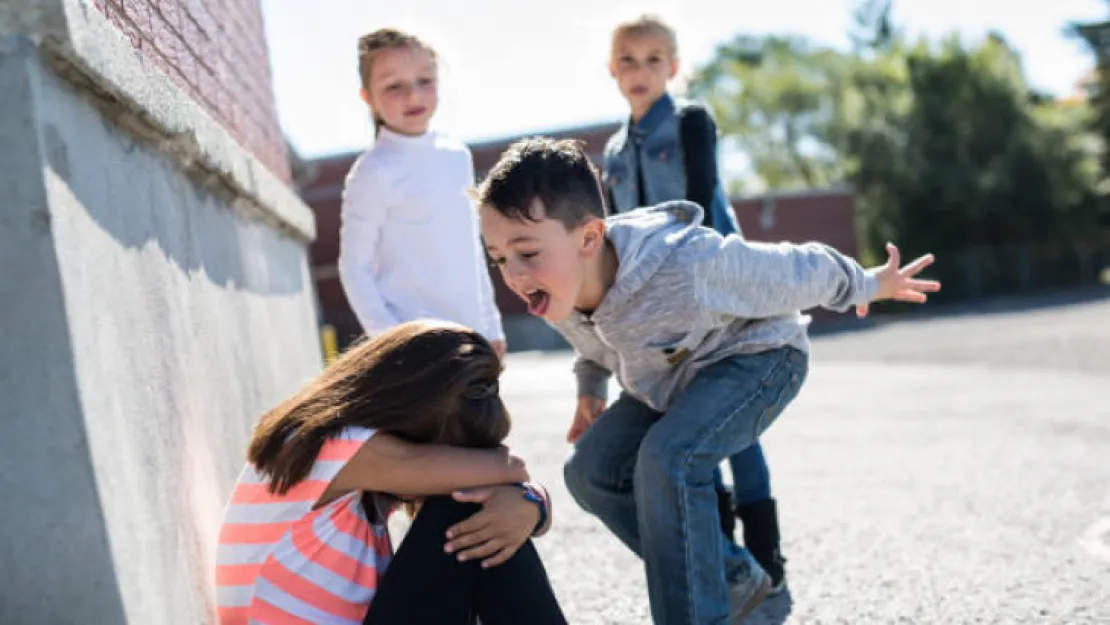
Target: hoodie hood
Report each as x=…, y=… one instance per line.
x=643, y=239
x=685, y=297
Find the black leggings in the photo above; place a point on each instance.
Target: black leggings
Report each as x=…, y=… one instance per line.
x=423, y=584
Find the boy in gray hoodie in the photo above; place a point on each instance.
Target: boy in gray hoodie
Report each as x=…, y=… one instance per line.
x=706, y=338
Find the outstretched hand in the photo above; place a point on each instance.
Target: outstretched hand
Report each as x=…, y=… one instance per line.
x=899, y=283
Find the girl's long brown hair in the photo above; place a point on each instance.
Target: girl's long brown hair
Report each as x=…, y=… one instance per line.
x=422, y=381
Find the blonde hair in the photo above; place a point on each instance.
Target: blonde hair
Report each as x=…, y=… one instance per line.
x=371, y=45
x=647, y=25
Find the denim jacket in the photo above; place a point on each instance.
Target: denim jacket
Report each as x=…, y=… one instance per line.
x=654, y=146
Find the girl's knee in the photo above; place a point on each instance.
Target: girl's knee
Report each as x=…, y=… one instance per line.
x=443, y=511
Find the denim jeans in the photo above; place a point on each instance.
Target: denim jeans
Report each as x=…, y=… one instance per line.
x=751, y=478
x=648, y=476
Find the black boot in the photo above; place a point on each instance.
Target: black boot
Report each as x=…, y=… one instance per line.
x=761, y=537
x=724, y=508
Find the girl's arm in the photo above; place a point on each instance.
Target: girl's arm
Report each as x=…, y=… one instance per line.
x=491, y=314
x=363, y=216
x=390, y=465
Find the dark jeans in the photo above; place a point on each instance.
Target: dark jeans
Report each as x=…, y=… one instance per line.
x=751, y=479
x=425, y=585
x=648, y=476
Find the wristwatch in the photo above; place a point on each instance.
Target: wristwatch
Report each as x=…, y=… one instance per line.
x=536, y=496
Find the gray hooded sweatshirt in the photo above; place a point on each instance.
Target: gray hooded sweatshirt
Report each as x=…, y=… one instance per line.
x=685, y=297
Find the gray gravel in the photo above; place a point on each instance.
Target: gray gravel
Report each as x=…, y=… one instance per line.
x=954, y=469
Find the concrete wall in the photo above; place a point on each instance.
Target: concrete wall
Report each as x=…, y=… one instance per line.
x=155, y=297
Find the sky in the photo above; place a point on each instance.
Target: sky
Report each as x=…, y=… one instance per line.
x=518, y=66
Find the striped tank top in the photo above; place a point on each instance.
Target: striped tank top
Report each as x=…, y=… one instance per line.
x=280, y=561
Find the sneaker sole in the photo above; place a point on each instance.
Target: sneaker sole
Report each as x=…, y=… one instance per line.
x=757, y=598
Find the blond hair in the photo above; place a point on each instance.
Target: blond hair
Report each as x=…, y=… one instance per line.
x=373, y=44
x=647, y=25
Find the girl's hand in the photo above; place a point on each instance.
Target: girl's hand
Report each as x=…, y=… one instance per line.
x=898, y=283
x=493, y=534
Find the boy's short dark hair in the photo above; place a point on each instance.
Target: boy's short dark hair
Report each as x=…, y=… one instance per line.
x=557, y=173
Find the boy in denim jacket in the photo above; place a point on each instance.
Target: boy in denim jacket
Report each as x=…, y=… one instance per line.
x=667, y=150
x=705, y=336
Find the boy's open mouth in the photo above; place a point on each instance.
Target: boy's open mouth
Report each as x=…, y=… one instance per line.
x=538, y=301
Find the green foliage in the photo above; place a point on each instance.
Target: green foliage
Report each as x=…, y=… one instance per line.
x=944, y=143
x=770, y=95
x=1097, y=37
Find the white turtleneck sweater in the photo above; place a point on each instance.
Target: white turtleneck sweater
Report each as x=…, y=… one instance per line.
x=409, y=245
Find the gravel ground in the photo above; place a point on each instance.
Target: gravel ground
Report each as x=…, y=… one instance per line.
x=951, y=469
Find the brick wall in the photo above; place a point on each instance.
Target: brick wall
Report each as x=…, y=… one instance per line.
x=825, y=216
x=215, y=50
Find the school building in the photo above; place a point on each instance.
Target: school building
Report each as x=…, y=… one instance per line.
x=821, y=215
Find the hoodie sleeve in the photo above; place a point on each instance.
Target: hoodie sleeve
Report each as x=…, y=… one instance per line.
x=760, y=280
x=593, y=379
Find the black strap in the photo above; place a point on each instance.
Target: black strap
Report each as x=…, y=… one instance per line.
x=698, y=135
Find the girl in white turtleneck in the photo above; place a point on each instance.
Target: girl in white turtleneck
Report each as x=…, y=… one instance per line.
x=409, y=240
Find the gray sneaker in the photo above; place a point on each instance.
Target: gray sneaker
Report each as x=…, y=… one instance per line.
x=748, y=593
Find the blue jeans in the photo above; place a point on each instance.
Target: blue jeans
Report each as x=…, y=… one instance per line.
x=751, y=478
x=648, y=476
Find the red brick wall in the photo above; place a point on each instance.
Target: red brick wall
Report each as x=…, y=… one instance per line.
x=824, y=216
x=215, y=50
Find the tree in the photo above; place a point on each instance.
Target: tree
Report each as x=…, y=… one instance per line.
x=945, y=145
x=872, y=26
x=873, y=106
x=771, y=96
x=1097, y=37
